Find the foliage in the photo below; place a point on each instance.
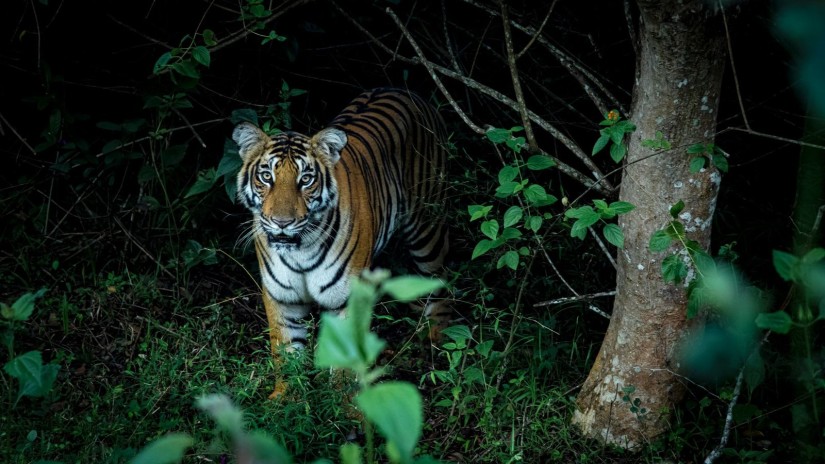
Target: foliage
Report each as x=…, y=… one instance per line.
x=613, y=134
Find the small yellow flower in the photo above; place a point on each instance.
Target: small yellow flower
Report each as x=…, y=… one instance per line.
x=613, y=115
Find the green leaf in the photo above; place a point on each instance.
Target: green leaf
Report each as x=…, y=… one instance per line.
x=244, y=114
x=206, y=179
x=458, y=333
x=508, y=188
x=537, y=196
x=696, y=148
x=720, y=161
x=226, y=415
x=697, y=164
x=161, y=62
x=186, y=68
x=676, y=230
x=676, y=209
x=23, y=307
x=539, y=162
x=338, y=344
x=512, y=216
x=209, y=37
x=660, y=241
x=509, y=233
x=409, y=287
x=509, y=259
x=622, y=207
x=201, y=55
x=814, y=255
x=579, y=230
x=507, y=174
x=482, y=247
x=778, y=321
x=585, y=215
x=350, y=454
x=496, y=135
x=168, y=449
x=478, y=211
x=601, y=142
x=490, y=228
x=613, y=234
x=395, y=409
x=263, y=449
x=35, y=378
x=580, y=212
x=785, y=265
x=601, y=205
x=617, y=152
x=534, y=223
x=230, y=163
x=173, y=155
x=674, y=269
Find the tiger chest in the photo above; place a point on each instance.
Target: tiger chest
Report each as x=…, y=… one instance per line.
x=321, y=285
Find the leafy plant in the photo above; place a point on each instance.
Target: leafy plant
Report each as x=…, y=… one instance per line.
x=707, y=154
x=613, y=134
x=586, y=216
x=35, y=378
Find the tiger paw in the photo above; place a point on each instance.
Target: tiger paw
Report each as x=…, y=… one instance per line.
x=280, y=390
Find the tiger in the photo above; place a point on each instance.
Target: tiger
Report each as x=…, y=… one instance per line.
x=324, y=206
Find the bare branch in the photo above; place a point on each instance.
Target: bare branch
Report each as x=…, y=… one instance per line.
x=511, y=63
x=564, y=281
x=16, y=134
x=771, y=136
x=447, y=42
x=733, y=67
x=586, y=79
x=538, y=32
x=569, y=299
x=601, y=184
x=603, y=247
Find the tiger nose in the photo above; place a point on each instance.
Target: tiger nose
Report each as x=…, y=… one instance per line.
x=281, y=222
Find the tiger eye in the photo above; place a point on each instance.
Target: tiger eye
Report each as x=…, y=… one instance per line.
x=306, y=179
x=266, y=176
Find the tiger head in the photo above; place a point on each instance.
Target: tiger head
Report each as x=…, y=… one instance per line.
x=287, y=181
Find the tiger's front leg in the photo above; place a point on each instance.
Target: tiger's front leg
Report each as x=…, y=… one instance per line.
x=286, y=327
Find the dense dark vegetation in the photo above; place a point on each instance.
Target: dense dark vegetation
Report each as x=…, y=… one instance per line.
x=116, y=199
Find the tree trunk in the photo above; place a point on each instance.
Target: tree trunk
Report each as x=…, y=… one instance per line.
x=678, y=79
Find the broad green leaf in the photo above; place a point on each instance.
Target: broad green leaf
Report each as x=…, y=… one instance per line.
x=35, y=378
x=676, y=230
x=186, y=68
x=167, y=449
x=512, y=216
x=230, y=163
x=676, y=209
x=617, y=152
x=814, y=255
x=579, y=230
x=457, y=333
x=496, y=135
x=409, y=287
x=697, y=164
x=483, y=246
x=577, y=213
x=23, y=307
x=601, y=205
x=490, y=228
x=785, y=265
x=173, y=155
x=507, y=174
x=206, y=179
x=508, y=188
x=588, y=217
x=263, y=449
x=600, y=143
x=674, y=269
x=509, y=233
x=539, y=162
x=338, y=344
x=350, y=453
x=537, y=196
x=534, y=223
x=720, y=161
x=696, y=148
x=201, y=55
x=209, y=37
x=478, y=211
x=161, y=62
x=220, y=408
x=395, y=409
x=622, y=207
x=777, y=321
x=509, y=259
x=613, y=234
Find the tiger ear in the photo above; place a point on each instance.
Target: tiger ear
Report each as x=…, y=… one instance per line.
x=329, y=143
x=249, y=138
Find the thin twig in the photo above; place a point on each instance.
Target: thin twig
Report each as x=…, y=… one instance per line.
x=194, y=132
x=564, y=281
x=448, y=44
x=601, y=184
x=511, y=63
x=771, y=136
x=434, y=76
x=631, y=31
x=37, y=26
x=166, y=131
x=569, y=299
x=733, y=67
x=603, y=247
x=17, y=134
x=538, y=31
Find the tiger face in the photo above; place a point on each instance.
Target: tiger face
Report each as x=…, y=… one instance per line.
x=287, y=181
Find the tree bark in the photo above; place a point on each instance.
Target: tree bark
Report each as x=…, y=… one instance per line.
x=678, y=79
